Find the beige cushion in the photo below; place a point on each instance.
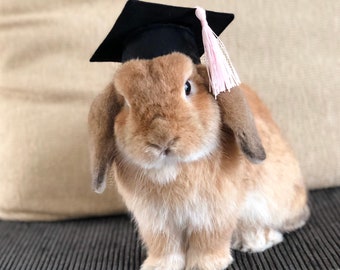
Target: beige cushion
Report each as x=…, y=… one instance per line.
x=288, y=51
x=47, y=85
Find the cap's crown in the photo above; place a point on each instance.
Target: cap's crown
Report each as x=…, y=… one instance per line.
x=147, y=30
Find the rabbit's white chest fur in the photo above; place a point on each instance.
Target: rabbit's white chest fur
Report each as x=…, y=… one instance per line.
x=193, y=211
x=179, y=198
x=193, y=214
x=165, y=175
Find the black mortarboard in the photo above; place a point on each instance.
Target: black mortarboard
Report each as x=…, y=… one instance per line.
x=147, y=30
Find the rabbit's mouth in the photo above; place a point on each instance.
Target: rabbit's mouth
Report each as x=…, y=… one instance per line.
x=160, y=158
x=166, y=164
x=169, y=157
x=164, y=174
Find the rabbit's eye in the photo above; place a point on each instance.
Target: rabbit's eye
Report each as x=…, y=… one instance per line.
x=187, y=88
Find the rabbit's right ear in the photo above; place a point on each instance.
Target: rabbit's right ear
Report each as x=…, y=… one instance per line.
x=102, y=144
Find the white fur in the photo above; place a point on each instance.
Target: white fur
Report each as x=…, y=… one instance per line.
x=152, y=215
x=255, y=209
x=257, y=240
x=198, y=214
x=174, y=261
x=255, y=216
x=275, y=237
x=206, y=261
x=165, y=168
x=164, y=175
x=195, y=214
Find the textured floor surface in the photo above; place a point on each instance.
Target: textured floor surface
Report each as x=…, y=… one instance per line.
x=112, y=243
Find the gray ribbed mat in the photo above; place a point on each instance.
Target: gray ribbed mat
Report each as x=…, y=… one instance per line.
x=112, y=243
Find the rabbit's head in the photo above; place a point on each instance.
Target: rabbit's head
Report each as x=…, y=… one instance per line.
x=160, y=112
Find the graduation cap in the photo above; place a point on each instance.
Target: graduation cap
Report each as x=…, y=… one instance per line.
x=147, y=30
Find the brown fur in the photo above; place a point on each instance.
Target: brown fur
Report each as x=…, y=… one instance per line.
x=179, y=164
x=101, y=124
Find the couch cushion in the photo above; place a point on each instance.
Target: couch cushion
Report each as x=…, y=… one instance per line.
x=47, y=85
x=46, y=88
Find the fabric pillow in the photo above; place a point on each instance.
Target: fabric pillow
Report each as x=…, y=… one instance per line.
x=47, y=85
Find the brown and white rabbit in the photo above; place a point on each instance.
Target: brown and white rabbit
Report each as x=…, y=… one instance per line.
x=187, y=166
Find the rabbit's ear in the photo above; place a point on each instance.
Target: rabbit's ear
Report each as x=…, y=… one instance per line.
x=102, y=144
x=237, y=115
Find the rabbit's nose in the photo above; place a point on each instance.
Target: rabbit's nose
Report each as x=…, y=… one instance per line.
x=165, y=147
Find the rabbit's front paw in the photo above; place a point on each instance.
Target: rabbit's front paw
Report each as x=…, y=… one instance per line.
x=168, y=262
x=208, y=262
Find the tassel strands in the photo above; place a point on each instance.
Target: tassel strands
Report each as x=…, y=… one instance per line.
x=221, y=72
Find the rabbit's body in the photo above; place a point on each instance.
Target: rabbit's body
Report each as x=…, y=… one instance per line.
x=179, y=163
x=276, y=197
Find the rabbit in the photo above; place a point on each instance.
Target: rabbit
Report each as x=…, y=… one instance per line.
x=201, y=175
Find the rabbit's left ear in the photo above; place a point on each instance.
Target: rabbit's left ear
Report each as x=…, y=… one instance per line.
x=236, y=114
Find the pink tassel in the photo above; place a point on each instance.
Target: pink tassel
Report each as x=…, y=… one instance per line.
x=221, y=72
